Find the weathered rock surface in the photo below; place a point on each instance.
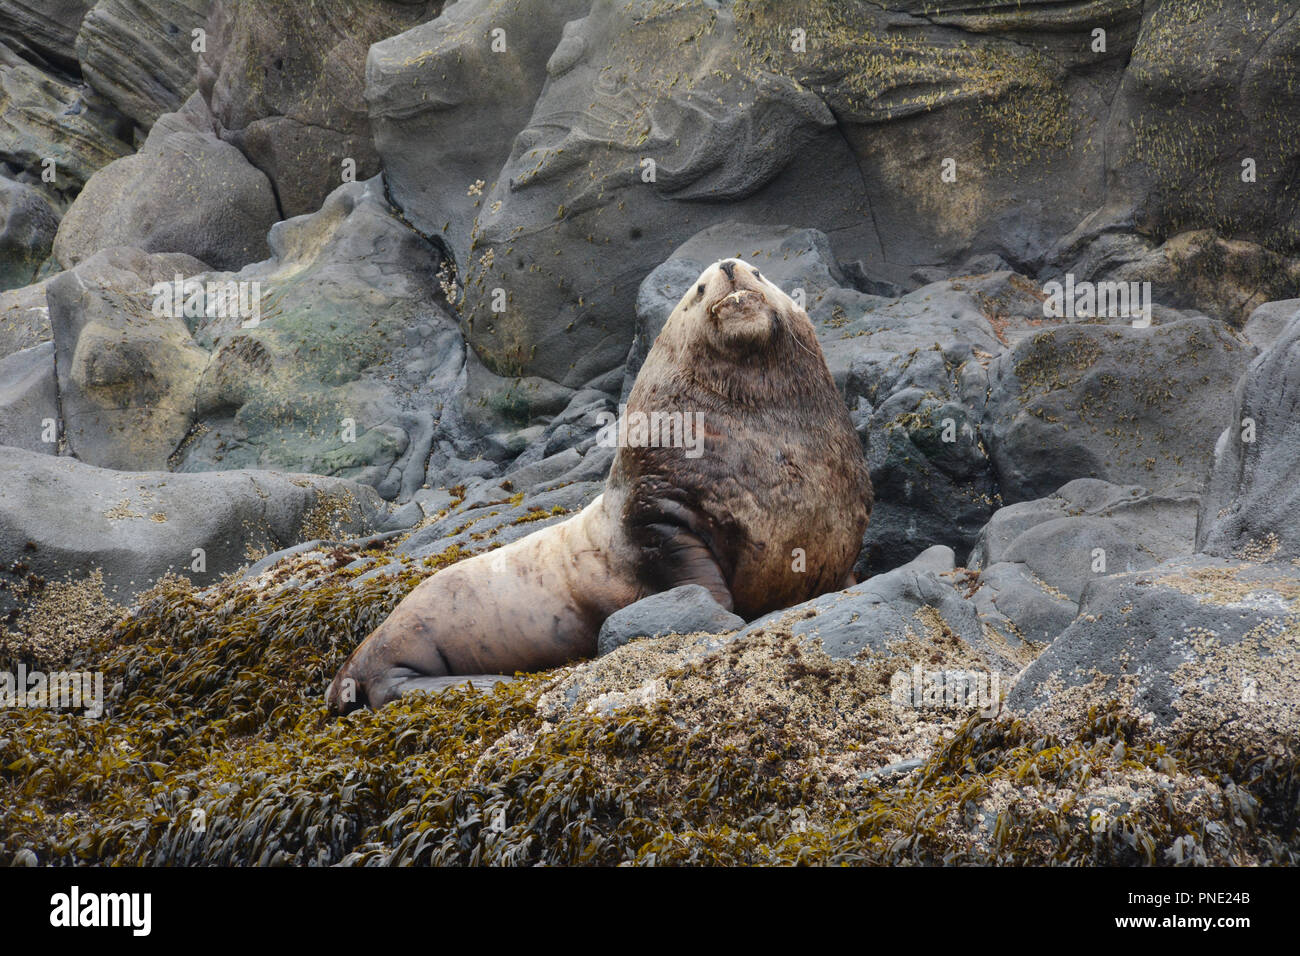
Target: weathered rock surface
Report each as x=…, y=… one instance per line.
x=1203, y=645
x=1127, y=405
x=60, y=517
x=286, y=84
x=185, y=191
x=685, y=610
x=27, y=227
x=139, y=54
x=1251, y=508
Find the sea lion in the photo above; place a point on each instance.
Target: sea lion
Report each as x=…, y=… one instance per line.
x=767, y=513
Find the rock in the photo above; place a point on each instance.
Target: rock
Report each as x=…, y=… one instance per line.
x=61, y=518
x=1202, y=644
x=1198, y=270
x=185, y=191
x=43, y=31
x=127, y=375
x=87, y=135
x=27, y=227
x=1086, y=529
x=1229, y=69
x=350, y=367
x=576, y=219
x=1267, y=323
x=286, y=84
x=910, y=603
x=139, y=54
x=1127, y=405
x=24, y=318
x=427, y=84
x=685, y=610
x=1251, y=508
x=1018, y=604
x=29, y=400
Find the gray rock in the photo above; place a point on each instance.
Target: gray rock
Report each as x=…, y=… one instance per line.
x=1017, y=603
x=1267, y=323
x=570, y=228
x=1057, y=538
x=1252, y=506
x=286, y=84
x=43, y=31
x=29, y=400
x=185, y=191
x=61, y=518
x=353, y=368
x=27, y=227
x=24, y=318
x=424, y=86
x=139, y=54
x=88, y=133
x=685, y=610
x=912, y=602
x=1127, y=405
x=1198, y=643
x=127, y=377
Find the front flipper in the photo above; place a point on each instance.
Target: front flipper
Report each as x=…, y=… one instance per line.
x=682, y=557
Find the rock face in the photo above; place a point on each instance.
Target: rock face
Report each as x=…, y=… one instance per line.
x=27, y=228
x=127, y=376
x=686, y=610
x=1036, y=558
x=351, y=366
x=140, y=54
x=24, y=318
x=1202, y=645
x=446, y=75
x=44, y=31
x=1127, y=405
x=29, y=400
x=286, y=82
x=43, y=117
x=185, y=191
x=913, y=602
x=59, y=517
x=1252, y=506
x=607, y=174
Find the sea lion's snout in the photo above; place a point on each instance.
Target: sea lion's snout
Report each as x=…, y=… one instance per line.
x=743, y=303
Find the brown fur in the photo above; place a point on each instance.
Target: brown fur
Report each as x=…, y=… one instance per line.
x=781, y=469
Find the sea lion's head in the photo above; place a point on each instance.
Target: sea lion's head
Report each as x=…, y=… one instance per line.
x=741, y=311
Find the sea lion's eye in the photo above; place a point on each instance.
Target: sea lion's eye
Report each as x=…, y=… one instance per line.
x=758, y=275
x=699, y=290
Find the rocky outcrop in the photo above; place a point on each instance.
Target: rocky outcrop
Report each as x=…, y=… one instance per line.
x=185, y=191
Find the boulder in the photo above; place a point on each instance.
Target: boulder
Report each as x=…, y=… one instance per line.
x=27, y=227
x=1087, y=529
x=426, y=85
x=346, y=365
x=1251, y=508
x=24, y=318
x=286, y=84
x=43, y=31
x=689, y=609
x=127, y=375
x=185, y=191
x=60, y=518
x=1197, y=645
x=29, y=400
x=1127, y=405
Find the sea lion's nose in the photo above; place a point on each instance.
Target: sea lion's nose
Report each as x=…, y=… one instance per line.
x=729, y=267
